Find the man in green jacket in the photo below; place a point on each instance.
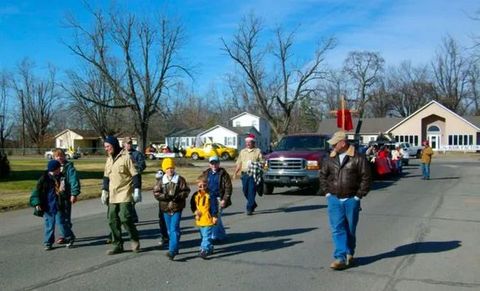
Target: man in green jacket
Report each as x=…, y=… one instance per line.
x=72, y=190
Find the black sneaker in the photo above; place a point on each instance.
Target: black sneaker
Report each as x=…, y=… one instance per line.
x=203, y=254
x=170, y=256
x=70, y=242
x=48, y=247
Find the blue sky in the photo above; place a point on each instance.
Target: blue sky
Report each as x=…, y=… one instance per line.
x=399, y=30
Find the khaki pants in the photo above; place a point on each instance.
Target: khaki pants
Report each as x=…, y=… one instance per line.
x=121, y=214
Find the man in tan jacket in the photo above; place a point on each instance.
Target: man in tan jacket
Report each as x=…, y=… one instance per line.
x=427, y=154
x=121, y=187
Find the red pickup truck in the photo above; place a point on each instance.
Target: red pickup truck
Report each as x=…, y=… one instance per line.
x=295, y=161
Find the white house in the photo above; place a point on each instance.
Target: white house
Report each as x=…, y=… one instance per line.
x=262, y=126
x=229, y=136
x=86, y=140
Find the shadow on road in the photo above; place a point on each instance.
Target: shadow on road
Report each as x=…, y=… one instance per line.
x=283, y=240
x=291, y=209
x=410, y=249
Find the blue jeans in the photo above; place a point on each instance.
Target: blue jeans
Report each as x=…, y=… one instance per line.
x=218, y=230
x=399, y=166
x=173, y=226
x=426, y=170
x=50, y=220
x=206, y=234
x=343, y=217
x=249, y=191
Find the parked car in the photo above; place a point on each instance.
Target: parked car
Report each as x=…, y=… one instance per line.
x=211, y=149
x=295, y=161
x=413, y=151
x=69, y=154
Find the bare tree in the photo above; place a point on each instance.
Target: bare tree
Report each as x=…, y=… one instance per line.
x=329, y=92
x=450, y=70
x=380, y=101
x=364, y=69
x=278, y=91
x=37, y=97
x=90, y=89
x=136, y=57
x=474, y=86
x=410, y=88
x=5, y=126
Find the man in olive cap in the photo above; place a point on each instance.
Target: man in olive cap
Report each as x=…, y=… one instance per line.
x=345, y=178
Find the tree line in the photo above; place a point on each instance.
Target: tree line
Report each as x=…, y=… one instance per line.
x=133, y=80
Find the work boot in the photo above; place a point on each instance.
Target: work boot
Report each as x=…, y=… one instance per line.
x=338, y=265
x=135, y=246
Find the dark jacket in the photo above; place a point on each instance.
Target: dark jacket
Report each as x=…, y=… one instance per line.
x=351, y=178
x=171, y=195
x=138, y=160
x=225, y=185
x=39, y=195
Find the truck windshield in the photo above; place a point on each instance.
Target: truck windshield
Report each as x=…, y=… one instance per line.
x=304, y=143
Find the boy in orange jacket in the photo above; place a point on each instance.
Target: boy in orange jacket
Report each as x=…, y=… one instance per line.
x=205, y=209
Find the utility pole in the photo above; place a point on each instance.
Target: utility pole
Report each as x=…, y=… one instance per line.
x=22, y=101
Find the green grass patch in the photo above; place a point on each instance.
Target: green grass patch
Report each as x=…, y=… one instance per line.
x=25, y=171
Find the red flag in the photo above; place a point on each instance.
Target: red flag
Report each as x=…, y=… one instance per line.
x=344, y=119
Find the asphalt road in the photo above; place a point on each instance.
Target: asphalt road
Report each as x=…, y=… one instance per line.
x=412, y=235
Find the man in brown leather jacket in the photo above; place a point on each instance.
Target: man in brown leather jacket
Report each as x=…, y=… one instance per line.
x=345, y=178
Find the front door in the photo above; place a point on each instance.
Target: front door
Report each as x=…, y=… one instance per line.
x=434, y=141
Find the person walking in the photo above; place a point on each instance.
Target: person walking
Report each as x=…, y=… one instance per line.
x=205, y=208
x=171, y=192
x=397, y=156
x=220, y=187
x=48, y=200
x=249, y=158
x=345, y=178
x=72, y=190
x=139, y=162
x=121, y=187
x=426, y=157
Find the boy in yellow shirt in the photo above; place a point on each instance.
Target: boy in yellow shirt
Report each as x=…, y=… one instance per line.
x=205, y=209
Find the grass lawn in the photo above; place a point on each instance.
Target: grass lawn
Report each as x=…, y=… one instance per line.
x=15, y=190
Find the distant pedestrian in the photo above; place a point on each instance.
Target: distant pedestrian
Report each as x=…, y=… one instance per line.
x=139, y=161
x=345, y=178
x=248, y=159
x=48, y=200
x=426, y=157
x=171, y=192
x=121, y=187
x=220, y=187
x=397, y=157
x=72, y=190
x=205, y=208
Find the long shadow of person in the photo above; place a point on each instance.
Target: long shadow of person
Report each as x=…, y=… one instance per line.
x=410, y=249
x=292, y=209
x=234, y=238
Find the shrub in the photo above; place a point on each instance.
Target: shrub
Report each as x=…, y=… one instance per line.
x=4, y=165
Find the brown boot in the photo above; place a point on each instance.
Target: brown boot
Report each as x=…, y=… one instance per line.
x=350, y=261
x=338, y=265
x=135, y=246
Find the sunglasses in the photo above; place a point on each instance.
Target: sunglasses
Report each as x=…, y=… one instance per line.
x=202, y=186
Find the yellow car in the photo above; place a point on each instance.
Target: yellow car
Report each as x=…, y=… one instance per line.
x=211, y=149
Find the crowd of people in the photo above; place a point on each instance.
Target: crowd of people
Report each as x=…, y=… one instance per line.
x=345, y=178
x=59, y=186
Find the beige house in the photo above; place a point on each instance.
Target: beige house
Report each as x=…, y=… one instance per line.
x=443, y=128
x=78, y=138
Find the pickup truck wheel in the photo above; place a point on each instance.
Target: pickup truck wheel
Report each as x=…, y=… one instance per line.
x=419, y=154
x=225, y=156
x=195, y=156
x=267, y=189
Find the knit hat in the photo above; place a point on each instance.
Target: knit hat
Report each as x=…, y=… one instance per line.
x=114, y=142
x=168, y=163
x=53, y=165
x=250, y=137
